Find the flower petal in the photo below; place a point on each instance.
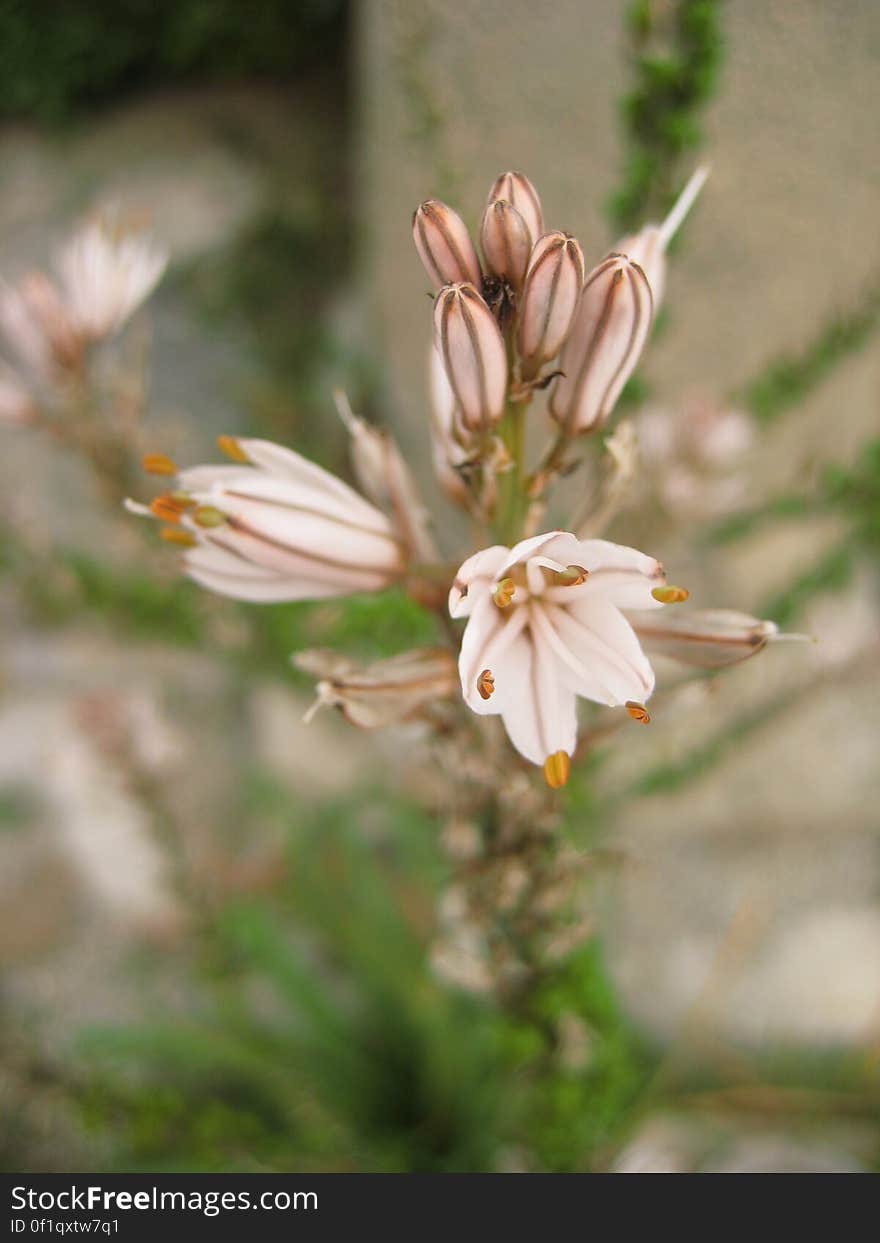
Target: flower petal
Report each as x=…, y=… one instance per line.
x=596, y=629
x=540, y=712
x=624, y=576
x=480, y=570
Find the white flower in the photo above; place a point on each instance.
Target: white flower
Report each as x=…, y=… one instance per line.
x=545, y=626
x=274, y=526
x=106, y=274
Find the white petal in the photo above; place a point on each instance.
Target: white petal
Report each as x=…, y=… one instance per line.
x=286, y=464
x=617, y=573
x=489, y=642
x=477, y=571
x=540, y=715
x=597, y=630
x=528, y=548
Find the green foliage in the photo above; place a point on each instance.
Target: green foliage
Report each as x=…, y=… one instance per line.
x=315, y=1038
x=58, y=59
x=677, y=51
x=786, y=381
x=139, y=604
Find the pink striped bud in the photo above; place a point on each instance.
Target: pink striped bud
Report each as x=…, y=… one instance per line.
x=516, y=189
x=473, y=354
x=554, y=280
x=445, y=246
x=506, y=242
x=607, y=336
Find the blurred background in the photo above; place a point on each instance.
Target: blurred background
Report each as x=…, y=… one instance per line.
x=216, y=922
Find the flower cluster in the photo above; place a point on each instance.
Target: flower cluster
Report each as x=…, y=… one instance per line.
x=102, y=275
x=550, y=615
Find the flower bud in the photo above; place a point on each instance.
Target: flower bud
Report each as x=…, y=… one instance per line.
x=473, y=353
x=554, y=280
x=516, y=189
x=444, y=245
x=608, y=332
x=506, y=242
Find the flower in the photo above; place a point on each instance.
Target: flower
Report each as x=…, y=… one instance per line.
x=544, y=626
x=274, y=526
x=105, y=275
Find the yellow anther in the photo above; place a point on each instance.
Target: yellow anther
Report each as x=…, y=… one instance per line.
x=572, y=576
x=182, y=499
x=638, y=712
x=486, y=684
x=158, y=464
x=557, y=768
x=166, y=508
x=174, y=535
x=670, y=594
x=504, y=592
x=232, y=448
x=209, y=516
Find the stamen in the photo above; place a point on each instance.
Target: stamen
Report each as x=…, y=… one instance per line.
x=182, y=499
x=504, y=592
x=165, y=508
x=638, y=712
x=486, y=684
x=209, y=516
x=232, y=448
x=174, y=535
x=557, y=768
x=159, y=464
x=572, y=576
x=670, y=594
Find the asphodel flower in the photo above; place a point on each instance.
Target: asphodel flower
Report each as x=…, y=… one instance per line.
x=385, y=692
x=706, y=638
x=545, y=625
x=648, y=247
x=607, y=336
x=444, y=245
x=472, y=348
x=506, y=242
x=106, y=273
x=516, y=189
x=273, y=526
x=553, y=284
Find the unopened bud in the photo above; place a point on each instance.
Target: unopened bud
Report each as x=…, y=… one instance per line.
x=516, y=189
x=445, y=246
x=607, y=337
x=473, y=353
x=554, y=280
x=506, y=242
